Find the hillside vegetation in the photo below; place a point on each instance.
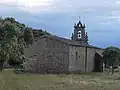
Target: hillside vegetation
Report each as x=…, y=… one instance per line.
x=14, y=38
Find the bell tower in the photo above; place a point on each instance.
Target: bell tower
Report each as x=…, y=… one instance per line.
x=79, y=33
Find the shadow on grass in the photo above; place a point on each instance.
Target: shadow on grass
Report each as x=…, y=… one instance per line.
x=19, y=72
x=118, y=78
x=58, y=74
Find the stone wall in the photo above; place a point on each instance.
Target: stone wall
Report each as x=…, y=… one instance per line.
x=84, y=60
x=76, y=59
x=48, y=55
x=90, y=58
x=53, y=56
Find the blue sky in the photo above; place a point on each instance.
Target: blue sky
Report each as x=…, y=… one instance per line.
x=102, y=17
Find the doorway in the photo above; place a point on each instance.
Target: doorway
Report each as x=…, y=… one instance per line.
x=98, y=63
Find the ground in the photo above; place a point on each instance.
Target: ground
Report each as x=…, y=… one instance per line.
x=88, y=81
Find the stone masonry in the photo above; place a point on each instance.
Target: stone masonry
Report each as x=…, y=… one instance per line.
x=53, y=54
x=48, y=56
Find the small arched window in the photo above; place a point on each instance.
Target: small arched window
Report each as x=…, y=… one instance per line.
x=76, y=55
x=79, y=35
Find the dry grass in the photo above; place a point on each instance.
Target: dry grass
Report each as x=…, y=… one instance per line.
x=89, y=81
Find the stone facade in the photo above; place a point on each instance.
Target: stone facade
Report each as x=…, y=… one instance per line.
x=53, y=54
x=48, y=55
x=91, y=58
x=76, y=59
x=81, y=59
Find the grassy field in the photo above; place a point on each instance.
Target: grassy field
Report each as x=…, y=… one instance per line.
x=89, y=81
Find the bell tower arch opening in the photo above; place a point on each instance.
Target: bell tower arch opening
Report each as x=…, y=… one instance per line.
x=79, y=33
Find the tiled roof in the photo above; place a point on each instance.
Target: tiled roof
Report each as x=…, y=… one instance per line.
x=68, y=41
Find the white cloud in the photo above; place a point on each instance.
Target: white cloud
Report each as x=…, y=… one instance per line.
x=118, y=2
x=7, y=1
x=58, y=5
x=97, y=10
x=105, y=23
x=34, y=5
x=29, y=5
x=61, y=5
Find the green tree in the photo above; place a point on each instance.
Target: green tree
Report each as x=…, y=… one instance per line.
x=111, y=57
x=11, y=40
x=14, y=37
x=39, y=32
x=28, y=36
x=4, y=55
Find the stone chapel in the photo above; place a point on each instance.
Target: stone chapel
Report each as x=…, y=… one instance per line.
x=54, y=54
